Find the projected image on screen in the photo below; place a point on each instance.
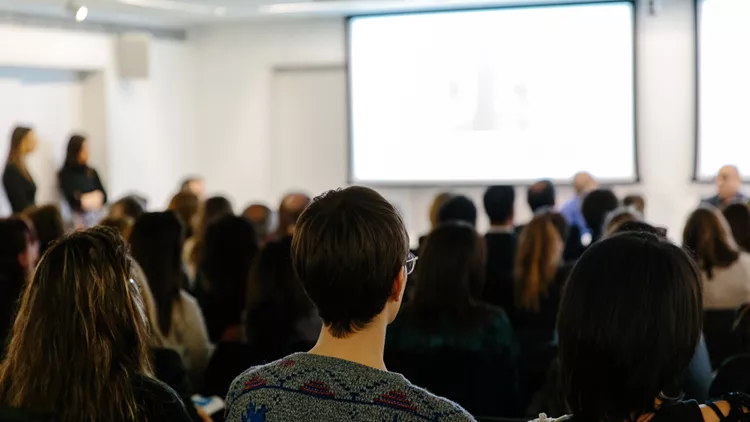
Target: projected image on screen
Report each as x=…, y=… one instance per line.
x=511, y=95
x=724, y=87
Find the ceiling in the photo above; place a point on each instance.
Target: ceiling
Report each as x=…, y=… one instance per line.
x=185, y=13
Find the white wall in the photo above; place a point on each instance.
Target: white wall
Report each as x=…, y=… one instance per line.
x=141, y=131
x=235, y=65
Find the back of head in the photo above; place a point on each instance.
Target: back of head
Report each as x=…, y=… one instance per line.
x=290, y=209
x=156, y=244
x=213, y=209
x=48, y=224
x=584, y=182
x=619, y=216
x=458, y=208
x=539, y=253
x=128, y=206
x=450, y=273
x=629, y=322
x=707, y=237
x=498, y=204
x=349, y=248
x=738, y=217
x=82, y=320
x=231, y=247
x=186, y=205
x=16, y=237
x=73, y=151
x=641, y=227
x=595, y=207
x=122, y=225
x=437, y=203
x=260, y=216
x=541, y=196
x=635, y=201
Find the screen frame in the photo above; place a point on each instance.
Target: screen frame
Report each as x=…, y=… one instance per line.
x=636, y=180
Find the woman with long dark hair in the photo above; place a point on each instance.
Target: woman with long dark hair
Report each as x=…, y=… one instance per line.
x=156, y=244
x=80, y=183
x=213, y=209
x=18, y=256
x=18, y=183
x=79, y=346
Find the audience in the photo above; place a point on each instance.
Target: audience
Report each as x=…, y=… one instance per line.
x=80, y=183
x=625, y=341
x=618, y=217
x=17, y=181
x=541, y=196
x=732, y=376
x=122, y=225
x=458, y=208
x=595, y=207
x=635, y=201
x=156, y=244
x=290, y=209
x=18, y=256
x=186, y=205
x=728, y=184
x=725, y=270
x=213, y=209
x=350, y=252
x=129, y=207
x=79, y=348
x=434, y=214
x=230, y=248
x=195, y=185
x=738, y=217
x=48, y=224
x=583, y=183
x=500, y=242
x=262, y=218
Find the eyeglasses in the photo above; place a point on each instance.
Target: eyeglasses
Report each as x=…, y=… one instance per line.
x=411, y=262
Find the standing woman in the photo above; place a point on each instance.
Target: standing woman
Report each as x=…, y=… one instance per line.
x=80, y=184
x=18, y=184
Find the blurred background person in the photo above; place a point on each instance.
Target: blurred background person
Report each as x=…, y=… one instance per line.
x=738, y=217
x=195, y=185
x=458, y=208
x=541, y=196
x=187, y=206
x=500, y=242
x=80, y=184
x=48, y=223
x=434, y=215
x=19, y=251
x=637, y=202
x=156, y=244
x=290, y=209
x=128, y=206
x=79, y=347
x=728, y=183
x=595, y=207
x=211, y=210
x=583, y=183
x=262, y=219
x=618, y=217
x=18, y=183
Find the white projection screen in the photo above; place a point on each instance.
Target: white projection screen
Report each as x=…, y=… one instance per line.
x=505, y=95
x=723, y=103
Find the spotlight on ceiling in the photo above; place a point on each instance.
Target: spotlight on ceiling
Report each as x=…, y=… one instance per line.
x=82, y=12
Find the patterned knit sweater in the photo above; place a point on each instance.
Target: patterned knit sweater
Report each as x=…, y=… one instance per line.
x=306, y=387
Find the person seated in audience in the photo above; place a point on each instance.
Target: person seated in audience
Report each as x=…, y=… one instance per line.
x=728, y=184
x=122, y=225
x=351, y=252
x=156, y=244
x=500, y=242
x=195, y=185
x=129, y=206
x=624, y=340
x=48, y=224
x=19, y=251
x=262, y=218
x=437, y=202
x=213, y=209
x=290, y=209
x=583, y=183
x=738, y=217
x=79, y=347
x=635, y=201
x=618, y=217
x=186, y=205
x=230, y=248
x=734, y=373
x=541, y=196
x=80, y=184
x=725, y=269
x=539, y=279
x=595, y=207
x=458, y=208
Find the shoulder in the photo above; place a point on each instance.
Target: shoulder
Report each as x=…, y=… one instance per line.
x=444, y=409
x=159, y=399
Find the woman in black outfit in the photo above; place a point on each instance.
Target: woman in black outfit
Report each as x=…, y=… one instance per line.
x=18, y=183
x=80, y=184
x=630, y=319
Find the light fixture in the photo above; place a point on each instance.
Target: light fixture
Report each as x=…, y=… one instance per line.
x=82, y=13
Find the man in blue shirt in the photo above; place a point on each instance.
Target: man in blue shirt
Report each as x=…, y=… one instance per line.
x=583, y=183
x=728, y=184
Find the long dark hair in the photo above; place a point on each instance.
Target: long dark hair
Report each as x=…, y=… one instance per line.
x=48, y=223
x=231, y=247
x=450, y=275
x=156, y=244
x=80, y=335
x=629, y=321
x=213, y=209
x=276, y=299
x=707, y=237
x=75, y=144
x=15, y=155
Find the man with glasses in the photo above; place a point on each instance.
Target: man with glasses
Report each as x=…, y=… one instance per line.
x=351, y=253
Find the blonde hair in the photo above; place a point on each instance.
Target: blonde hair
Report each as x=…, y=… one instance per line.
x=538, y=256
x=437, y=203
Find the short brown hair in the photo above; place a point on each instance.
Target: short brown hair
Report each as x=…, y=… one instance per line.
x=349, y=247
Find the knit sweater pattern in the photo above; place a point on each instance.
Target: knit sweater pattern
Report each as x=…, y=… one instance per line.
x=306, y=387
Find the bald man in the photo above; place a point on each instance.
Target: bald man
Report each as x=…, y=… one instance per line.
x=583, y=183
x=728, y=184
x=289, y=211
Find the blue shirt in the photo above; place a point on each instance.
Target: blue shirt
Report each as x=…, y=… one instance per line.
x=573, y=215
x=718, y=203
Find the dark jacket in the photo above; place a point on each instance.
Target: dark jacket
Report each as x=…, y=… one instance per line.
x=78, y=180
x=20, y=190
x=501, y=255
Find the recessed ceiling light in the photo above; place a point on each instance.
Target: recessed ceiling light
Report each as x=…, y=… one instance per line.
x=82, y=13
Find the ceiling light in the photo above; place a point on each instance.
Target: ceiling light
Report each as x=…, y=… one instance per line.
x=82, y=13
